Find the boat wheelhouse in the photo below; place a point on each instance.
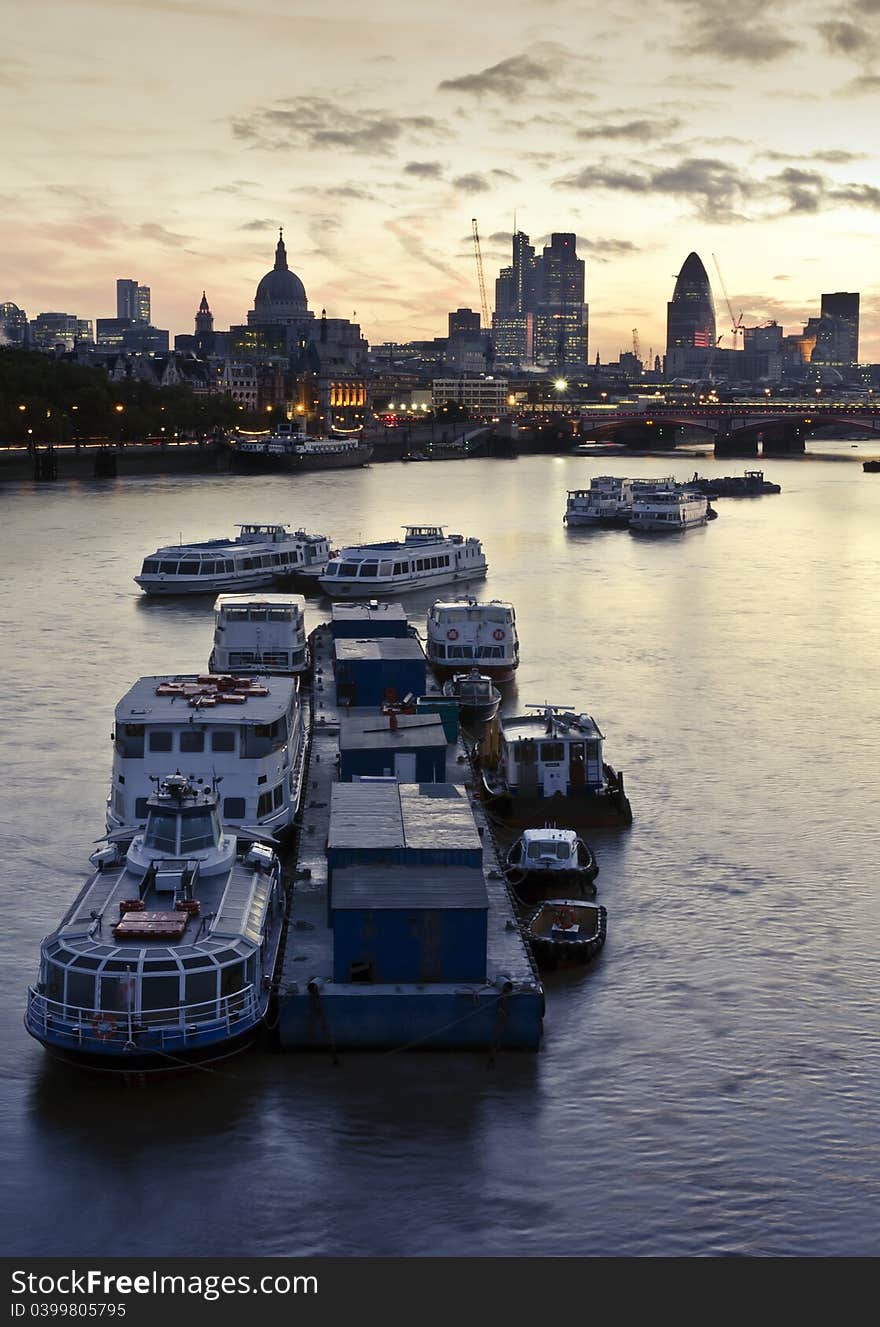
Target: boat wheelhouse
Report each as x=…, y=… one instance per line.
x=665, y=511
x=248, y=732
x=258, y=556
x=608, y=501
x=426, y=556
x=463, y=633
x=550, y=766
x=476, y=696
x=167, y=955
x=259, y=633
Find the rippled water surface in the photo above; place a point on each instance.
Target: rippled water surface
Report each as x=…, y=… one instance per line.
x=709, y=1085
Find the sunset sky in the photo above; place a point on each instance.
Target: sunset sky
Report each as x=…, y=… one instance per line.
x=166, y=140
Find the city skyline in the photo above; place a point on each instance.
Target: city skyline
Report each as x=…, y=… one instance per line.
x=172, y=143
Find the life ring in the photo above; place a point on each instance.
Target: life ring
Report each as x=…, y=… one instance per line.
x=498, y=634
x=452, y=634
x=104, y=1026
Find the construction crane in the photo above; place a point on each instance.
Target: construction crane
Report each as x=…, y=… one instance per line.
x=637, y=345
x=736, y=323
x=484, y=303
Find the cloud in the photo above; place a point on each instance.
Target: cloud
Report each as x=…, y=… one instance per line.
x=425, y=170
x=406, y=230
x=827, y=156
x=151, y=230
x=846, y=38
x=508, y=78
x=744, y=35
x=320, y=124
x=642, y=130
x=864, y=84
x=472, y=184
x=720, y=193
x=257, y=225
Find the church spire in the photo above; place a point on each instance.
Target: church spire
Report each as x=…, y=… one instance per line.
x=280, y=253
x=203, y=307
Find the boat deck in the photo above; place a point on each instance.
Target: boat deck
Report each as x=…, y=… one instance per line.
x=314, y=1011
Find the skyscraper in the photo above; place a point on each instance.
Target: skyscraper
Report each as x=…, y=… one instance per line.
x=540, y=312
x=690, y=318
x=126, y=299
x=838, y=342
x=143, y=304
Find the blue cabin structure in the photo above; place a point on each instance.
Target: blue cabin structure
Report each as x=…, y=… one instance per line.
x=408, y=747
x=373, y=672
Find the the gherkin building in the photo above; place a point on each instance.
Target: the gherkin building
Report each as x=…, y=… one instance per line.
x=690, y=314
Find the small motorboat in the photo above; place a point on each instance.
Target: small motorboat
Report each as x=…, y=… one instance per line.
x=564, y=931
x=550, y=858
x=478, y=699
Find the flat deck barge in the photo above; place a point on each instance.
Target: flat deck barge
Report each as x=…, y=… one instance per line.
x=502, y=1010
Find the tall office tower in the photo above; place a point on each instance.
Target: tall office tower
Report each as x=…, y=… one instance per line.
x=126, y=299
x=464, y=325
x=142, y=314
x=513, y=322
x=561, y=314
x=839, y=339
x=690, y=319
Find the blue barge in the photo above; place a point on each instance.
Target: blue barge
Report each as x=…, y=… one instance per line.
x=402, y=933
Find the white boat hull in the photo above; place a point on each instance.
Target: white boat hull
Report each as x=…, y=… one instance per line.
x=339, y=587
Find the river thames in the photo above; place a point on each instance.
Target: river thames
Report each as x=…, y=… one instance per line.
x=710, y=1085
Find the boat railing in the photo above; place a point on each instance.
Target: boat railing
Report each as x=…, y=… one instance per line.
x=182, y=1024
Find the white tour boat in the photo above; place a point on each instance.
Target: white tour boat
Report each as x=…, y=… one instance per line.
x=667, y=510
x=167, y=955
x=463, y=633
x=259, y=555
x=549, y=766
x=259, y=633
x=608, y=501
x=247, y=733
x=426, y=556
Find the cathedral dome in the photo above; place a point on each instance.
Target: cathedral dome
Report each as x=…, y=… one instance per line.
x=280, y=294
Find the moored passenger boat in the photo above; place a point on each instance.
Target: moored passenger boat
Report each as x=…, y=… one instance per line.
x=249, y=732
x=167, y=955
x=289, y=447
x=463, y=633
x=426, y=556
x=664, y=512
x=549, y=766
x=608, y=501
x=258, y=556
x=259, y=633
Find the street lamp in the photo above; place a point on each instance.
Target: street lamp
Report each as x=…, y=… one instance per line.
x=560, y=384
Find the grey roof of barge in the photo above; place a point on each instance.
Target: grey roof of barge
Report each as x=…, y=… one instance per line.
x=534, y=726
x=260, y=597
x=386, y=647
x=141, y=704
x=401, y=815
x=375, y=888
x=357, y=612
x=366, y=732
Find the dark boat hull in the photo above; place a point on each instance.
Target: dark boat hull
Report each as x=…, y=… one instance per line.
x=495, y=672
x=555, y=951
x=609, y=808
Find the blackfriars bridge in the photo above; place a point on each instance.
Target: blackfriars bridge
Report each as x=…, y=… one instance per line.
x=737, y=429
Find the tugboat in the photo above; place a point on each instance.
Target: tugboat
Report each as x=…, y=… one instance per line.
x=478, y=699
x=550, y=858
x=166, y=958
x=566, y=931
x=549, y=766
x=751, y=484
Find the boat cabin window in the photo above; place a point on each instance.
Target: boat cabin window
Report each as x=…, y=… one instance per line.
x=331, y=569
x=233, y=808
x=149, y=568
x=161, y=740
x=192, y=739
x=198, y=830
x=348, y=569
x=207, y=568
x=279, y=615
x=263, y=738
x=160, y=993
x=552, y=751
x=130, y=740
x=81, y=989
x=201, y=987
x=189, y=569
x=161, y=832
x=223, y=740
x=385, y=568
x=168, y=568
x=369, y=569
x=547, y=848
x=140, y=808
